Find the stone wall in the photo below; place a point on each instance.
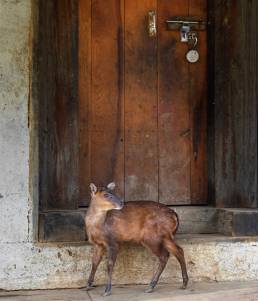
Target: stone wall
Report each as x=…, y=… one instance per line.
x=26, y=264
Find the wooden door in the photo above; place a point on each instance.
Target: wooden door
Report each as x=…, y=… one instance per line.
x=142, y=105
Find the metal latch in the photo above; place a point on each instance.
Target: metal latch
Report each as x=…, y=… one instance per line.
x=185, y=25
x=195, y=23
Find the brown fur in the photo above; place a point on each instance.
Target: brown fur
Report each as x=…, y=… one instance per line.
x=148, y=223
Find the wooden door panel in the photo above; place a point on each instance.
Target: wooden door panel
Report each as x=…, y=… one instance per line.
x=198, y=107
x=174, y=111
x=141, y=156
x=106, y=106
x=142, y=105
x=84, y=92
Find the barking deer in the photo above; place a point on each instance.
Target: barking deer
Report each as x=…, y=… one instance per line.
x=109, y=221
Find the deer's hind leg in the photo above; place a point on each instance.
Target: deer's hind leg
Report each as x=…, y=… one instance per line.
x=158, y=250
x=178, y=252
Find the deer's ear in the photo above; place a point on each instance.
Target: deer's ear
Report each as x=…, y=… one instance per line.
x=93, y=188
x=111, y=186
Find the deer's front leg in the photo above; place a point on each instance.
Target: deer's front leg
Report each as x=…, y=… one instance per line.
x=96, y=259
x=111, y=257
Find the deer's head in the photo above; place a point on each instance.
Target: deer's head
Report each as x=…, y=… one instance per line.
x=104, y=197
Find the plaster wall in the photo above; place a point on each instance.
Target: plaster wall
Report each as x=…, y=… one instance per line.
x=15, y=205
x=28, y=265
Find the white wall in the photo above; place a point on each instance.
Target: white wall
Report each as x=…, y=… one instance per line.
x=15, y=207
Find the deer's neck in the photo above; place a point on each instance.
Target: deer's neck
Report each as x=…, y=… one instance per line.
x=95, y=217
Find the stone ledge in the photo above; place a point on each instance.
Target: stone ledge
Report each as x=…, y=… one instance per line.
x=209, y=258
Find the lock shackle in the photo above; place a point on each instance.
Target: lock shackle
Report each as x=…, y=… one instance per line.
x=195, y=42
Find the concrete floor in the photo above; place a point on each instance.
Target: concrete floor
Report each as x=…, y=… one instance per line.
x=226, y=291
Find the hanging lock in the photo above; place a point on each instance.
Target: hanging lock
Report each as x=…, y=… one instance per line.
x=192, y=55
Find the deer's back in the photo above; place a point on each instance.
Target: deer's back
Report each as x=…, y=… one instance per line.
x=141, y=220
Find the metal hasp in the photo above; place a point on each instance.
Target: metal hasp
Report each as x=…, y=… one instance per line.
x=195, y=23
x=185, y=25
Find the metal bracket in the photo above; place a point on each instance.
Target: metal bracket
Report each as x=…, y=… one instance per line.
x=184, y=31
x=152, y=23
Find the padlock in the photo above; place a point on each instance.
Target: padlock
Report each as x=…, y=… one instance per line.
x=192, y=56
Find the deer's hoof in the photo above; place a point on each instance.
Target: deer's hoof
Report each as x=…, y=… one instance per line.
x=149, y=290
x=88, y=287
x=184, y=286
x=108, y=293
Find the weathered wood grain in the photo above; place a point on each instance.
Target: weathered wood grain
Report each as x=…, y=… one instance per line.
x=84, y=94
x=198, y=110
x=238, y=222
x=236, y=82
x=174, y=110
x=141, y=155
x=62, y=226
x=210, y=104
x=68, y=226
x=133, y=121
x=107, y=98
x=58, y=106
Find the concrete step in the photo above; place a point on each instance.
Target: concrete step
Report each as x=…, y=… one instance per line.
x=66, y=265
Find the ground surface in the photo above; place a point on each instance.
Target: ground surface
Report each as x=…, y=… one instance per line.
x=228, y=291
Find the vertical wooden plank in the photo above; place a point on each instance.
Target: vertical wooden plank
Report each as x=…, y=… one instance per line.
x=84, y=90
x=107, y=99
x=236, y=83
x=210, y=103
x=174, y=110
x=198, y=113
x=58, y=104
x=141, y=164
x=45, y=14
